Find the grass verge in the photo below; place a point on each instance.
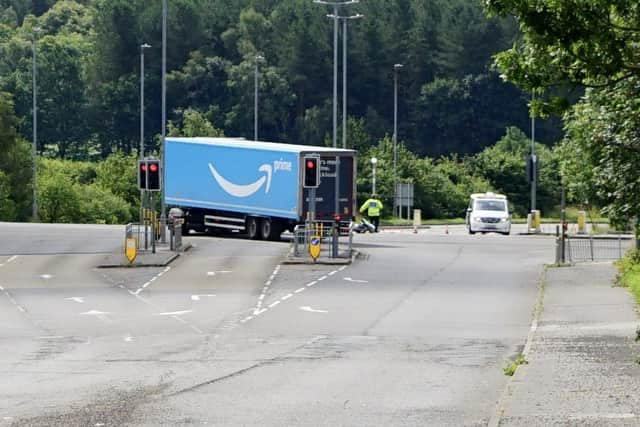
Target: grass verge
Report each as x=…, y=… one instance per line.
x=629, y=272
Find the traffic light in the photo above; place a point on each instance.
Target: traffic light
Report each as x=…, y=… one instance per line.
x=153, y=175
x=311, y=172
x=142, y=174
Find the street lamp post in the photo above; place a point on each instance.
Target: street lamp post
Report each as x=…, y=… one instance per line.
x=34, y=214
x=141, y=150
x=335, y=16
x=163, y=214
x=374, y=161
x=396, y=68
x=534, y=166
x=255, y=98
x=142, y=48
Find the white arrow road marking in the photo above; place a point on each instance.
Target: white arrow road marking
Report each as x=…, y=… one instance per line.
x=197, y=297
x=349, y=279
x=46, y=276
x=311, y=310
x=76, y=299
x=128, y=338
x=213, y=273
x=173, y=313
x=102, y=315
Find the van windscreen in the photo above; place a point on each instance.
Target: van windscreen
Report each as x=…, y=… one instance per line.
x=491, y=205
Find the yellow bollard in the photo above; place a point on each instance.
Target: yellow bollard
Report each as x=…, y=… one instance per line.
x=582, y=222
x=535, y=220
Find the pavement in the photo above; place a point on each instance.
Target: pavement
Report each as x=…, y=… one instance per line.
x=583, y=360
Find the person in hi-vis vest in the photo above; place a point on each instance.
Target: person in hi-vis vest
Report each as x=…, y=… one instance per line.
x=373, y=206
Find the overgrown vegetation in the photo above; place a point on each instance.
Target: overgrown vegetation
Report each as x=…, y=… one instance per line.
x=511, y=368
x=629, y=272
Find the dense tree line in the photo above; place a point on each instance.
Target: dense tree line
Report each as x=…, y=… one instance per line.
x=451, y=101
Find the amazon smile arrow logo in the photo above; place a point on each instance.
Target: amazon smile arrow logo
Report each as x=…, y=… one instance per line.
x=243, y=190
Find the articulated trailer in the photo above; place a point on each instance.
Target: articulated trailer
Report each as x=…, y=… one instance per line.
x=255, y=187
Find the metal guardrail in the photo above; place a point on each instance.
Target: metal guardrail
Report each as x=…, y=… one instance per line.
x=144, y=235
x=593, y=248
x=335, y=242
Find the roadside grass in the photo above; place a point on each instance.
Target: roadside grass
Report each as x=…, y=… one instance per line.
x=629, y=272
x=511, y=368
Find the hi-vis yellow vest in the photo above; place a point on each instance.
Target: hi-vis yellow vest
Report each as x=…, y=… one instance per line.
x=373, y=206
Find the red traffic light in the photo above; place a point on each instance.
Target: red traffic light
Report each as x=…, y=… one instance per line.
x=143, y=167
x=311, y=164
x=153, y=167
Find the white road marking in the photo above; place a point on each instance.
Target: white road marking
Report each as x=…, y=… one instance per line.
x=259, y=312
x=297, y=291
x=196, y=329
x=76, y=299
x=11, y=259
x=128, y=338
x=311, y=283
x=349, y=279
x=197, y=297
x=332, y=272
x=273, y=304
x=1, y=289
x=286, y=297
x=136, y=292
x=321, y=278
x=311, y=310
x=173, y=313
x=246, y=319
x=94, y=313
x=342, y=268
x=102, y=315
x=46, y=276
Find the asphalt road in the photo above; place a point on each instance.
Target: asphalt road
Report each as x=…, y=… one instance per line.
x=415, y=333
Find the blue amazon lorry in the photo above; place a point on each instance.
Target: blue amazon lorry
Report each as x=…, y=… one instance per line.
x=255, y=187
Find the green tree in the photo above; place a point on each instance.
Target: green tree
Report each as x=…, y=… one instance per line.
x=194, y=124
x=16, y=165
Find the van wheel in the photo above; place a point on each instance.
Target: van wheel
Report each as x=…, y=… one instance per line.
x=252, y=228
x=471, y=231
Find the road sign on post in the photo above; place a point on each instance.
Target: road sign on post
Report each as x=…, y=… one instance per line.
x=131, y=249
x=314, y=246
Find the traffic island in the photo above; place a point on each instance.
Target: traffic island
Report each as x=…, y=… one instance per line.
x=161, y=258
x=322, y=260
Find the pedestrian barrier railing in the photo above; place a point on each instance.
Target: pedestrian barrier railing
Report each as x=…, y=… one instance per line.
x=593, y=248
x=148, y=234
x=336, y=240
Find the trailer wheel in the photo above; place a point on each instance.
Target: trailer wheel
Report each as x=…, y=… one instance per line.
x=266, y=229
x=252, y=228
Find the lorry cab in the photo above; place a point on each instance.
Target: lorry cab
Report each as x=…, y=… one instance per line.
x=488, y=212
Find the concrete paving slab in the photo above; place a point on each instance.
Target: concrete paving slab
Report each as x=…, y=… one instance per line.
x=582, y=365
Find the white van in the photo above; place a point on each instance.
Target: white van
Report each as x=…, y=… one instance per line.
x=488, y=212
